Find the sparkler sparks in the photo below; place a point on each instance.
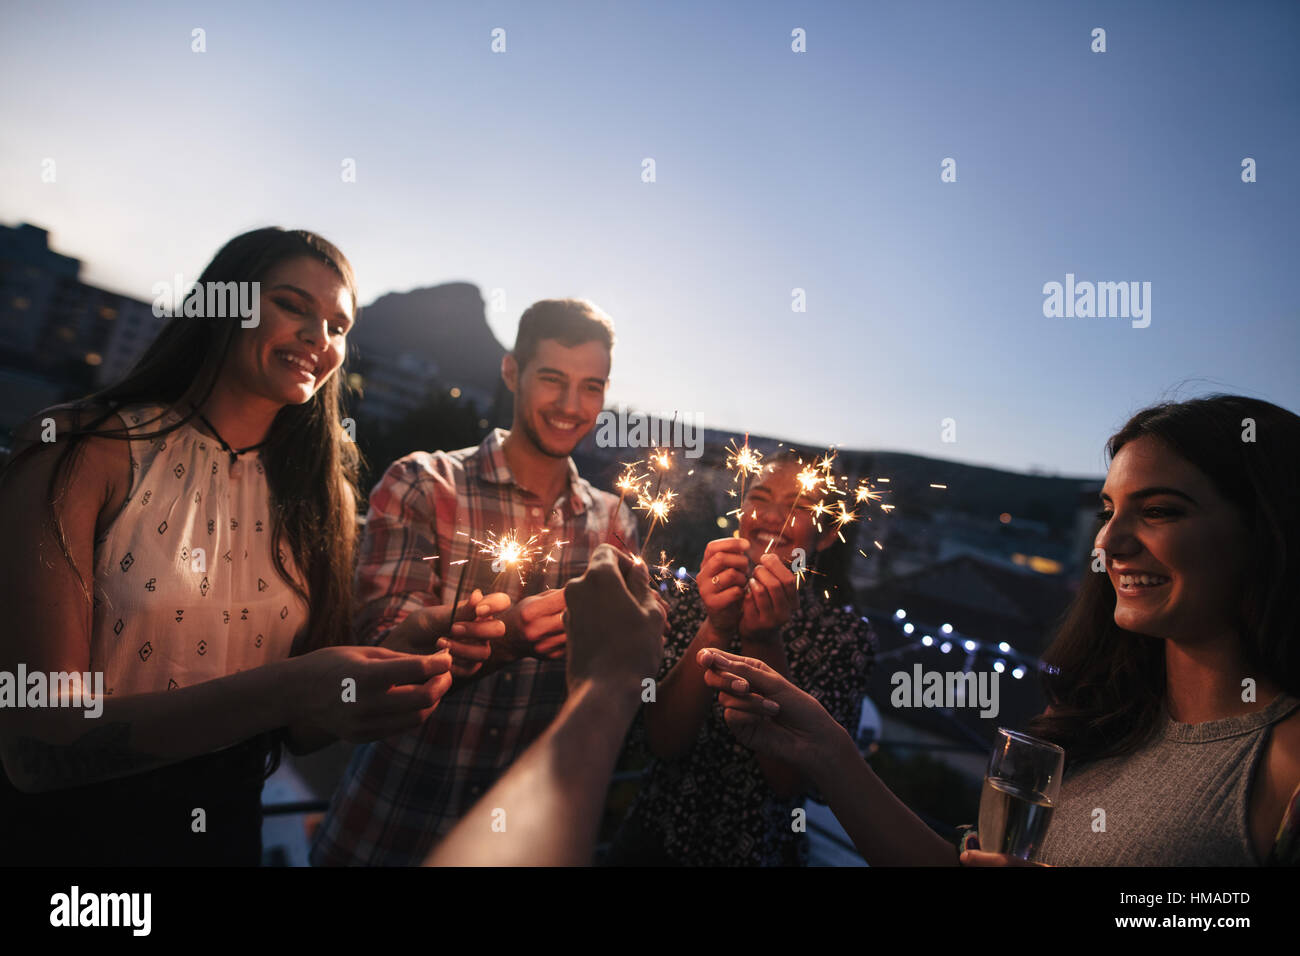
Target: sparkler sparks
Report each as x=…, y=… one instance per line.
x=806, y=483
x=842, y=517
x=508, y=553
x=629, y=483
x=833, y=495
x=540, y=569
x=745, y=461
x=664, y=569
x=657, y=507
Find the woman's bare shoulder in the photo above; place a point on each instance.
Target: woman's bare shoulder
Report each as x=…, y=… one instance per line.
x=103, y=463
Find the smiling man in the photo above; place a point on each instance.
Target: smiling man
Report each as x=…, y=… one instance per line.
x=401, y=794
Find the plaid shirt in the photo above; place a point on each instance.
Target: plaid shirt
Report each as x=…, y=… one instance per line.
x=402, y=793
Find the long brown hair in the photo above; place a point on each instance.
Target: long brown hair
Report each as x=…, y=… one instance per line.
x=311, y=470
x=1106, y=684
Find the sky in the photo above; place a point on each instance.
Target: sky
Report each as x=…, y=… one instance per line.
x=774, y=170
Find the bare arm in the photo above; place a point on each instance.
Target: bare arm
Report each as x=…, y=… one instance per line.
x=769, y=714
x=44, y=600
x=785, y=779
x=546, y=809
x=880, y=825
x=682, y=699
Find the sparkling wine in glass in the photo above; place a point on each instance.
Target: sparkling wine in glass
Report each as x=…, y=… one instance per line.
x=1021, y=788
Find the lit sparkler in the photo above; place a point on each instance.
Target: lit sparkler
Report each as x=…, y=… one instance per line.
x=508, y=553
x=628, y=483
x=540, y=568
x=657, y=507
x=745, y=461
x=665, y=571
x=806, y=483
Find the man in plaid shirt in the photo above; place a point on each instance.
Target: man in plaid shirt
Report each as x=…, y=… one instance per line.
x=399, y=795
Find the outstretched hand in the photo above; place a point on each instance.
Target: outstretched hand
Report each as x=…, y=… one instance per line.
x=766, y=712
x=614, y=621
x=467, y=631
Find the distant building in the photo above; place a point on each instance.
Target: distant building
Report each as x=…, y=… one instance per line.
x=964, y=615
x=990, y=601
x=60, y=338
x=392, y=386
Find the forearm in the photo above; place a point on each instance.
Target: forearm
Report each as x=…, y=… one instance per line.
x=785, y=779
x=880, y=825
x=304, y=738
x=546, y=809
x=57, y=748
x=682, y=699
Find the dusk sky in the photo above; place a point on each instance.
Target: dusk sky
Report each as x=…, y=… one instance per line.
x=775, y=170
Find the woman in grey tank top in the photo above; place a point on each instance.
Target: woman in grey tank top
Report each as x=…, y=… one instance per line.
x=1174, y=678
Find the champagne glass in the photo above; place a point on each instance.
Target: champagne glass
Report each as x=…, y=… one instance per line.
x=1021, y=788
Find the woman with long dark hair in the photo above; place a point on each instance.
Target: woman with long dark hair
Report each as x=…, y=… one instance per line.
x=182, y=542
x=703, y=801
x=1174, y=681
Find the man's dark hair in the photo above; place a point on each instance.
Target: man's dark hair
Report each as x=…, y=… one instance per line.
x=569, y=321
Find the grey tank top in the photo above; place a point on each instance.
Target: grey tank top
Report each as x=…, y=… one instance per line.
x=1179, y=800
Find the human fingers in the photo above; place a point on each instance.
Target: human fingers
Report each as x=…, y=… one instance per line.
x=722, y=545
x=408, y=697
x=723, y=580
x=717, y=563
x=492, y=604
x=750, y=704
x=549, y=644
x=723, y=599
x=758, y=675
x=464, y=611
x=725, y=680
x=544, y=627
x=462, y=651
x=404, y=669
x=783, y=574
x=758, y=592
x=482, y=629
x=541, y=605
x=628, y=565
x=773, y=593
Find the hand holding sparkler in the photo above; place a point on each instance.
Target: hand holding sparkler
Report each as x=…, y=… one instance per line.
x=467, y=637
x=723, y=577
x=617, y=624
x=477, y=624
x=771, y=598
x=535, y=626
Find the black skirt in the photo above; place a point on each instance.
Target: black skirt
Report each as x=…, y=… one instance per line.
x=146, y=819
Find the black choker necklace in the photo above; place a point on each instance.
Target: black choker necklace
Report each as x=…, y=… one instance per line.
x=225, y=446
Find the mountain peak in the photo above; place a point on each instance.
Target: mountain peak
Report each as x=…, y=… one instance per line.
x=445, y=324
